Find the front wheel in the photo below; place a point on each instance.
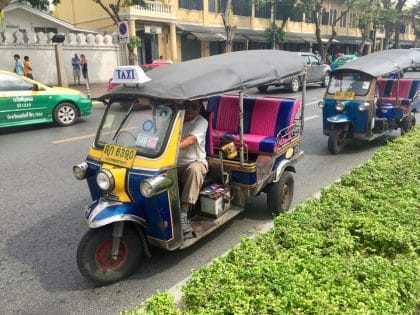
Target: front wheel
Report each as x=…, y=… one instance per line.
x=294, y=85
x=94, y=255
x=65, y=114
x=280, y=194
x=408, y=123
x=337, y=141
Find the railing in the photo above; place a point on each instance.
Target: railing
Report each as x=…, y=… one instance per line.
x=153, y=7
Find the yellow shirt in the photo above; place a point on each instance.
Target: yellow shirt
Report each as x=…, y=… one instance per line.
x=27, y=67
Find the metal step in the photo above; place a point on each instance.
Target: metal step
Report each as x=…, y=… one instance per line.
x=203, y=225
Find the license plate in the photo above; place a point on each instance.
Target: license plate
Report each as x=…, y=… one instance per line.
x=344, y=95
x=118, y=155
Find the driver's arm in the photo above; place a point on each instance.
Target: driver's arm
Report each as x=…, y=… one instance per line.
x=187, y=141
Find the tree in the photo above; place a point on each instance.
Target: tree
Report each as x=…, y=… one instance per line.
x=414, y=14
x=229, y=29
x=315, y=8
x=287, y=9
x=38, y=4
x=368, y=12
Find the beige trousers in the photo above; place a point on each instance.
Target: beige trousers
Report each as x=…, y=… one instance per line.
x=192, y=178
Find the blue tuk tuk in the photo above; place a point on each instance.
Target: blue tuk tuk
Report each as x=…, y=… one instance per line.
x=362, y=102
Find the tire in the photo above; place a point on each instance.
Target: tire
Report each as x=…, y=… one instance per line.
x=262, y=88
x=337, y=141
x=94, y=260
x=65, y=114
x=294, y=85
x=408, y=123
x=280, y=194
x=325, y=80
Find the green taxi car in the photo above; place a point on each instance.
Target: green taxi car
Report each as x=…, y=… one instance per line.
x=24, y=101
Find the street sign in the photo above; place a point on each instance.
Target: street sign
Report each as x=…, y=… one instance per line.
x=122, y=30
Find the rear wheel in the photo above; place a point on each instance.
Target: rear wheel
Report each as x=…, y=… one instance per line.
x=262, y=88
x=408, y=123
x=337, y=141
x=280, y=194
x=94, y=257
x=294, y=85
x=65, y=114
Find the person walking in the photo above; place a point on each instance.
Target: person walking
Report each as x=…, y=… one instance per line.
x=75, y=62
x=84, y=65
x=27, y=69
x=18, y=65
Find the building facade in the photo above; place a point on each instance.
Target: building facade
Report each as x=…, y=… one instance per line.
x=186, y=29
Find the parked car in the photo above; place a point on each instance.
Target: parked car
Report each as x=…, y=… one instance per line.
x=318, y=72
x=342, y=60
x=24, y=101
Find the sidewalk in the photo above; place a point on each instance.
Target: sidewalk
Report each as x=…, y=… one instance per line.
x=96, y=89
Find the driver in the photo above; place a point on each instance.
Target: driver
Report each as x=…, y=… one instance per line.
x=192, y=163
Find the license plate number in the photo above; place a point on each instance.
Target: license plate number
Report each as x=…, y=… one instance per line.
x=118, y=155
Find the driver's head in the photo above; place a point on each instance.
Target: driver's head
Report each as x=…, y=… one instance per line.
x=192, y=109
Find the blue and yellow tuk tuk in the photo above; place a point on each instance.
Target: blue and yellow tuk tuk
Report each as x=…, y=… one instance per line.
x=362, y=102
x=131, y=168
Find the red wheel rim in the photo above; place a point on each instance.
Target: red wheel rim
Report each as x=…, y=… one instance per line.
x=104, y=260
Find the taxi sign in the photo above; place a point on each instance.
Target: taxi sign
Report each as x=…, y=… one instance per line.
x=344, y=95
x=129, y=75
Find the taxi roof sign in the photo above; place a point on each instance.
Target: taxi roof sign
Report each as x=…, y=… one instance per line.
x=129, y=75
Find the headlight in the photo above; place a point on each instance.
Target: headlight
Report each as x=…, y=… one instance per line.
x=155, y=185
x=105, y=180
x=339, y=106
x=321, y=104
x=364, y=106
x=80, y=170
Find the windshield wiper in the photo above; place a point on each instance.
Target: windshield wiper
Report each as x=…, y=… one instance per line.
x=123, y=121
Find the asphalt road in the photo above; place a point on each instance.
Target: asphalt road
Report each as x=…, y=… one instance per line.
x=42, y=223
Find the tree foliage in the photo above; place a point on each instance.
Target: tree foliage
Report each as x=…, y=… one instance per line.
x=42, y=5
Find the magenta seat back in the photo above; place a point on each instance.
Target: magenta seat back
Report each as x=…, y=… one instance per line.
x=404, y=88
x=264, y=117
x=228, y=114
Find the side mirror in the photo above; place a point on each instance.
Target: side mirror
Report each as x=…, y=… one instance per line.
x=35, y=87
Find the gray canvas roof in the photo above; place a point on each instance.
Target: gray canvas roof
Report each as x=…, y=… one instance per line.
x=384, y=62
x=214, y=75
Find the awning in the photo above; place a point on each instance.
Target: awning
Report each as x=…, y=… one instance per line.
x=252, y=35
x=210, y=37
x=257, y=38
x=352, y=40
x=203, y=33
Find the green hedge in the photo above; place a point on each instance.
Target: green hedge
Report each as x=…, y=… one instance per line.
x=355, y=251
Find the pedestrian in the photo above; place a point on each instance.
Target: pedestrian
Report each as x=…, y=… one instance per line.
x=75, y=62
x=84, y=65
x=18, y=65
x=27, y=69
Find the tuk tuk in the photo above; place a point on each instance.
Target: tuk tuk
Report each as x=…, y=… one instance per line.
x=131, y=168
x=363, y=101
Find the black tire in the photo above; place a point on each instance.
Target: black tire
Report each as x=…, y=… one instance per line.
x=94, y=260
x=325, y=80
x=262, y=88
x=294, y=85
x=408, y=123
x=337, y=141
x=280, y=194
x=65, y=114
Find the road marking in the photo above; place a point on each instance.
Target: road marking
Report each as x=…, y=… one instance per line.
x=311, y=117
x=312, y=103
x=73, y=139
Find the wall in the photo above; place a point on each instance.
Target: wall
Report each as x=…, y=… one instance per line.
x=102, y=53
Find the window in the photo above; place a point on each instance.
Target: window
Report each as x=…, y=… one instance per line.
x=191, y=4
x=263, y=11
x=241, y=7
x=12, y=83
x=325, y=17
x=343, y=21
x=402, y=28
x=296, y=16
x=212, y=5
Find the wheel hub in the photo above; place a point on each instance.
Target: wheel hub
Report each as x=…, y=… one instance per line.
x=105, y=261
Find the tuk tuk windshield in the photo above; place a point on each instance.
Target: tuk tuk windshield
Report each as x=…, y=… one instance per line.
x=356, y=82
x=142, y=127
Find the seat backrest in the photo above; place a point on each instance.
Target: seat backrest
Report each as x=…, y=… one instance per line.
x=384, y=87
x=209, y=116
x=226, y=112
x=404, y=86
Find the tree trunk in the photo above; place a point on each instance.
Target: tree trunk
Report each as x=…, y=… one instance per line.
x=229, y=29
